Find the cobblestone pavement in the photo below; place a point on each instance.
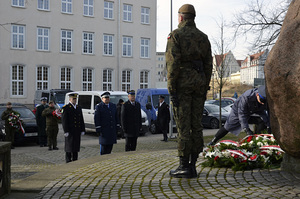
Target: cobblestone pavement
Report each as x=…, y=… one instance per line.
x=146, y=176
x=142, y=174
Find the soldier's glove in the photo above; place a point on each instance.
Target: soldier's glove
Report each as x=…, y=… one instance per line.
x=248, y=131
x=98, y=131
x=269, y=130
x=174, y=100
x=66, y=134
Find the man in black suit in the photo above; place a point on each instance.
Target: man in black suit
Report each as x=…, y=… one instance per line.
x=163, y=117
x=73, y=125
x=131, y=121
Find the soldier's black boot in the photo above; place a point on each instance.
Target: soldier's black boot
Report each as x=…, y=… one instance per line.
x=184, y=169
x=194, y=158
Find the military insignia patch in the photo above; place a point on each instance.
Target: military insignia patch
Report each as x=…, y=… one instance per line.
x=169, y=36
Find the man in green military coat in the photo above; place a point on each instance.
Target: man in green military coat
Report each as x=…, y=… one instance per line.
x=51, y=126
x=9, y=130
x=41, y=121
x=189, y=67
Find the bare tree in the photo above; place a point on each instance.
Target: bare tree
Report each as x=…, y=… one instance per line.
x=262, y=20
x=220, y=72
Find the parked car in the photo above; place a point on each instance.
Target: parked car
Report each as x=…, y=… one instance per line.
x=88, y=101
x=29, y=124
x=211, y=114
x=228, y=108
x=56, y=95
x=224, y=102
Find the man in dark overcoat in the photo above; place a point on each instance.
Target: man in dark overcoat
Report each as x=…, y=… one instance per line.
x=163, y=117
x=41, y=122
x=73, y=126
x=106, y=123
x=249, y=108
x=131, y=121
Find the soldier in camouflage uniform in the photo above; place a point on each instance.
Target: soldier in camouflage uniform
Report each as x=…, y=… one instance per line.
x=51, y=126
x=9, y=130
x=189, y=66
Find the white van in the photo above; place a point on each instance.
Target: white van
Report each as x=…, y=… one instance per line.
x=89, y=99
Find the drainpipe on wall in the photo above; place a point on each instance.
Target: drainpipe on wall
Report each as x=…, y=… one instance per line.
x=118, y=48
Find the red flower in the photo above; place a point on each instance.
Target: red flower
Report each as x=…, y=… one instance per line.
x=249, y=139
x=263, y=153
x=253, y=157
x=217, y=157
x=244, y=161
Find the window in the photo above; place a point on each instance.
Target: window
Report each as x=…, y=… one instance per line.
x=126, y=80
x=18, y=3
x=65, y=78
x=87, y=79
x=66, y=6
x=108, y=10
x=108, y=44
x=84, y=101
x=144, y=80
x=43, y=39
x=88, y=7
x=145, y=48
x=66, y=40
x=42, y=78
x=17, y=80
x=127, y=12
x=107, y=80
x=18, y=37
x=43, y=4
x=145, y=12
x=127, y=47
x=88, y=43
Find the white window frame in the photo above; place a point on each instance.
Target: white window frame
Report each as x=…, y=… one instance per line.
x=88, y=8
x=88, y=42
x=145, y=15
x=42, y=77
x=145, y=48
x=108, y=45
x=43, y=5
x=66, y=6
x=108, y=10
x=107, y=83
x=125, y=85
x=144, y=79
x=66, y=39
x=43, y=39
x=19, y=79
x=18, y=37
x=127, y=12
x=18, y=3
x=87, y=79
x=65, y=79
x=127, y=46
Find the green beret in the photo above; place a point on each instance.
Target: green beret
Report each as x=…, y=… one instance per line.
x=187, y=9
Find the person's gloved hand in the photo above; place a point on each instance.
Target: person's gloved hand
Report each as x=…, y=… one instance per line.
x=66, y=134
x=98, y=131
x=248, y=131
x=82, y=133
x=174, y=100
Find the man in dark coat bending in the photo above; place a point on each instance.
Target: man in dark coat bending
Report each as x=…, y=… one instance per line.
x=249, y=108
x=131, y=121
x=106, y=122
x=73, y=125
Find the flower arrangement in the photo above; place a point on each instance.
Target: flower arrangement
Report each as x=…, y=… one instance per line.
x=57, y=114
x=257, y=151
x=16, y=122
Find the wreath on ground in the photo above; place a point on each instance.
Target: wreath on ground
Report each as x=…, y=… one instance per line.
x=256, y=151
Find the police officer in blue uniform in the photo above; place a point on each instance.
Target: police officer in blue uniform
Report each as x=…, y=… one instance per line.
x=106, y=123
x=249, y=108
x=73, y=125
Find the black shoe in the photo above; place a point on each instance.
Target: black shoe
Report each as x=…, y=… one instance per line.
x=12, y=147
x=55, y=148
x=184, y=169
x=50, y=148
x=194, y=158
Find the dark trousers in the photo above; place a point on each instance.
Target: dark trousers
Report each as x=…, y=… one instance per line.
x=71, y=156
x=130, y=143
x=43, y=140
x=105, y=148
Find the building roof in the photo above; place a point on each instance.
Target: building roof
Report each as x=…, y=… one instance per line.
x=253, y=57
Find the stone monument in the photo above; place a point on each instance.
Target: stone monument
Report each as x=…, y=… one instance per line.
x=282, y=71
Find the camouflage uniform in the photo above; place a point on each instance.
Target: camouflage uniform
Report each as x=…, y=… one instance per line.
x=187, y=47
x=9, y=130
x=51, y=127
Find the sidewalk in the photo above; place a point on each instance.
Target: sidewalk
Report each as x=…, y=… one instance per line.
x=145, y=175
